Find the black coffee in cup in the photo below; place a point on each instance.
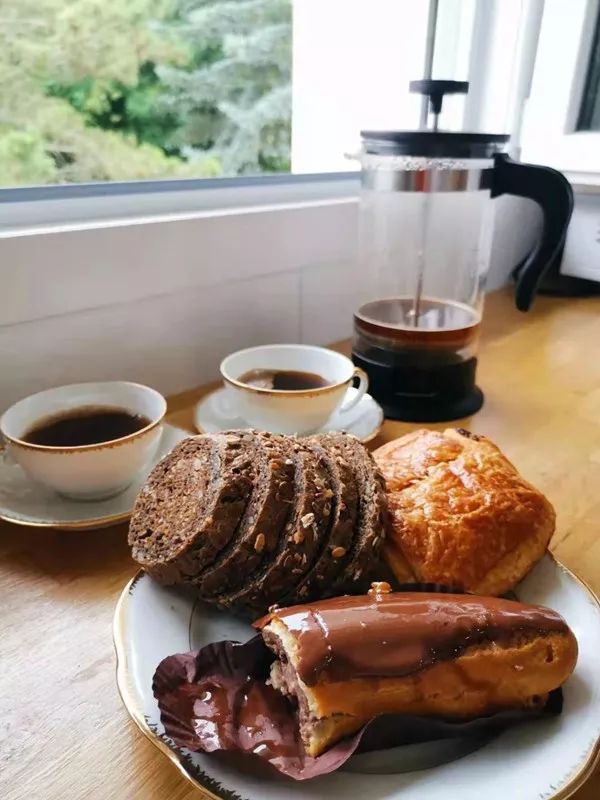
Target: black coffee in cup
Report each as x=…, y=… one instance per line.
x=283, y=380
x=85, y=425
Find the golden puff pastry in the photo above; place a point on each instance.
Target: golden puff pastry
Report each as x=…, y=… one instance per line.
x=460, y=513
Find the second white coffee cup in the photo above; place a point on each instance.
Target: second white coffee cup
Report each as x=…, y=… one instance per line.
x=291, y=411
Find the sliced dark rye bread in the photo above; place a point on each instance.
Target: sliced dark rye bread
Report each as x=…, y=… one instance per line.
x=363, y=557
x=299, y=540
x=190, y=505
x=343, y=520
x=266, y=513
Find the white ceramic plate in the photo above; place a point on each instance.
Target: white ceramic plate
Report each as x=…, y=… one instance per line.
x=212, y=414
x=543, y=760
x=26, y=503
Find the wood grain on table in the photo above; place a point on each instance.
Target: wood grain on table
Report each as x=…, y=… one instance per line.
x=64, y=734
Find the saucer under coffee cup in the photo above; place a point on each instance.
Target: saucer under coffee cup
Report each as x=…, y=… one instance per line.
x=320, y=377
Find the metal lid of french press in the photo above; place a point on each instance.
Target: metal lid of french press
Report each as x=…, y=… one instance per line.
x=434, y=143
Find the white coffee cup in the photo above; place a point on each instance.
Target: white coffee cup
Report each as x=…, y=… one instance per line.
x=86, y=472
x=290, y=411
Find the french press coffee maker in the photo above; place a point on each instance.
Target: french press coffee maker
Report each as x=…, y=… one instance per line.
x=425, y=238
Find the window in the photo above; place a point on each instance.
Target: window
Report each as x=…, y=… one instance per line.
x=589, y=115
x=112, y=91
x=106, y=90
x=133, y=102
x=562, y=114
x=116, y=112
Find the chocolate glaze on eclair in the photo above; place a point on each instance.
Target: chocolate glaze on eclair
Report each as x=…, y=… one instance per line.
x=385, y=635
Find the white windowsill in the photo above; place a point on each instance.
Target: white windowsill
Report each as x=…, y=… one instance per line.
x=29, y=210
x=158, y=218
x=584, y=182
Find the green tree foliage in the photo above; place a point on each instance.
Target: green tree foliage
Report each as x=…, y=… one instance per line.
x=236, y=104
x=130, y=109
x=44, y=139
x=24, y=159
x=82, y=97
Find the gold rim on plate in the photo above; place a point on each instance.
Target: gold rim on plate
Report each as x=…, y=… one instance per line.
x=127, y=696
x=136, y=713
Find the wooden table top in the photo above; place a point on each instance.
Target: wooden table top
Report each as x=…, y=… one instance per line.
x=64, y=734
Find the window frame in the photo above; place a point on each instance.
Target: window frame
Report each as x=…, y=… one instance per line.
x=71, y=206
x=591, y=83
x=550, y=134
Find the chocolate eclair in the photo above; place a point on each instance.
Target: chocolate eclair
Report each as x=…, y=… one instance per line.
x=348, y=659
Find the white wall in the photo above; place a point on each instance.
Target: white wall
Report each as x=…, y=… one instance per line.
x=162, y=302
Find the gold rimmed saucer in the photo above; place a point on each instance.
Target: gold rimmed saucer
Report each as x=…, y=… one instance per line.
x=365, y=420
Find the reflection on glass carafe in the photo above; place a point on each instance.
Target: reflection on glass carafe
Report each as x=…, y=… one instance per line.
x=426, y=224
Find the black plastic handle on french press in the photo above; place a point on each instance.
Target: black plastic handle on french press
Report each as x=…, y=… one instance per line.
x=550, y=190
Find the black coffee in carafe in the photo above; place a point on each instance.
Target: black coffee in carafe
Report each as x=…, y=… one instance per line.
x=421, y=361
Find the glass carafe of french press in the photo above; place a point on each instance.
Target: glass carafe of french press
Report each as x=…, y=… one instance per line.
x=425, y=238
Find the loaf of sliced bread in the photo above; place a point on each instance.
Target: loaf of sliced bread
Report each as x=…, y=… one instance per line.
x=249, y=519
